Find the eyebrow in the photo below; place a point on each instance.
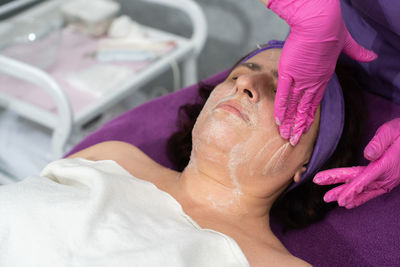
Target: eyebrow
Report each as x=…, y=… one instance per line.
x=256, y=67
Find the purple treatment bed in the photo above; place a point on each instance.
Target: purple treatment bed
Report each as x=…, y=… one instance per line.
x=365, y=236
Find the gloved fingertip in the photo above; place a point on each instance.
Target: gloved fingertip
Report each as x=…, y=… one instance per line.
x=350, y=203
x=370, y=55
x=324, y=180
x=350, y=206
x=277, y=120
x=279, y=113
x=372, y=151
x=341, y=204
x=358, y=52
x=370, y=154
x=294, y=140
x=345, y=200
x=284, y=132
x=329, y=197
x=317, y=179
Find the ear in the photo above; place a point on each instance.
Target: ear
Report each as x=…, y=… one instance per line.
x=299, y=172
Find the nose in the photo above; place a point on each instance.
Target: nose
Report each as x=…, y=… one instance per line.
x=246, y=84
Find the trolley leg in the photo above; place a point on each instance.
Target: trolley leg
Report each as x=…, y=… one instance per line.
x=189, y=71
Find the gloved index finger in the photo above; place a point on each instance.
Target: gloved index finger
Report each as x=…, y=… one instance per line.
x=284, y=88
x=338, y=175
x=305, y=112
x=287, y=125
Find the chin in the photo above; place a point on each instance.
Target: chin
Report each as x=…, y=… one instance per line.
x=219, y=132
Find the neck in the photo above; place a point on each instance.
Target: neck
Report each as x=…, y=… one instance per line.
x=222, y=195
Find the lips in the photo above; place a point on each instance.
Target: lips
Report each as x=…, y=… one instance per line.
x=234, y=108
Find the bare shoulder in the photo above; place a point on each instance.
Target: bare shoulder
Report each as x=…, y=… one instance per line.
x=287, y=259
x=281, y=259
x=266, y=255
x=128, y=156
x=109, y=150
x=294, y=261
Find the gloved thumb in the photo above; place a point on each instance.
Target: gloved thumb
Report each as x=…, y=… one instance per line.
x=383, y=139
x=356, y=51
x=373, y=150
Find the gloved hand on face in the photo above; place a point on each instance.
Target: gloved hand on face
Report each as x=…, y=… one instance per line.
x=317, y=36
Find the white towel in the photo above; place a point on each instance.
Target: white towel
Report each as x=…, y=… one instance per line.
x=86, y=213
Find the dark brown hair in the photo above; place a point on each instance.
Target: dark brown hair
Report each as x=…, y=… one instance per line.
x=303, y=205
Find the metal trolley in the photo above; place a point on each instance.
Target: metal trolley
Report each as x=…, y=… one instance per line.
x=65, y=118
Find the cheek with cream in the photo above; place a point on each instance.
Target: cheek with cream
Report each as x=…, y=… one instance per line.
x=248, y=151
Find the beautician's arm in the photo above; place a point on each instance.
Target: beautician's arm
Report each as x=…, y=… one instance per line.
x=317, y=36
x=363, y=183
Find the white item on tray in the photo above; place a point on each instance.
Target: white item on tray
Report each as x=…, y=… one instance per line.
x=100, y=79
x=123, y=27
x=131, y=49
x=134, y=55
x=93, y=17
x=128, y=41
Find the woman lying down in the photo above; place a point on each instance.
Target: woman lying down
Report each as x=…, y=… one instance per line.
x=111, y=205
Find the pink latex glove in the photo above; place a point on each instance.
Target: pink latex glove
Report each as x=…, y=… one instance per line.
x=317, y=36
x=366, y=182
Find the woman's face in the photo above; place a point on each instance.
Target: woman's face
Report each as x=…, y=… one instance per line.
x=236, y=132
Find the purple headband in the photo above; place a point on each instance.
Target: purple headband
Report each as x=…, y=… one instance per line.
x=331, y=122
